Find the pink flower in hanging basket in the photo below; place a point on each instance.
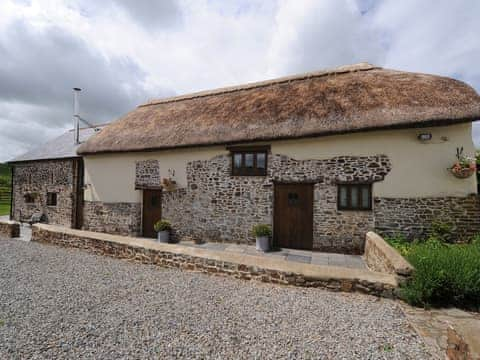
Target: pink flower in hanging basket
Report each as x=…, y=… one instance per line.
x=463, y=170
x=464, y=167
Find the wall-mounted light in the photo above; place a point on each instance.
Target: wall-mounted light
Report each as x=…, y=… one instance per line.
x=424, y=136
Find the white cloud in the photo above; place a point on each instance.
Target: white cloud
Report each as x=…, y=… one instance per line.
x=313, y=34
x=124, y=52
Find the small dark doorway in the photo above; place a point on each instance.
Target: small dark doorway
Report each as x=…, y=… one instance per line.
x=293, y=216
x=152, y=211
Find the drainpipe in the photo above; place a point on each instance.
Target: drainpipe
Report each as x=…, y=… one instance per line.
x=76, y=116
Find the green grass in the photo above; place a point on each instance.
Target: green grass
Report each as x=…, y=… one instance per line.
x=5, y=183
x=445, y=274
x=4, y=209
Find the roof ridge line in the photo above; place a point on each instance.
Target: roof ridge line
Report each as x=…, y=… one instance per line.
x=363, y=66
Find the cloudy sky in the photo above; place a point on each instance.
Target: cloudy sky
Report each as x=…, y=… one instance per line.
x=124, y=52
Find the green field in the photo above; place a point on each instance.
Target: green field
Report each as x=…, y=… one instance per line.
x=4, y=189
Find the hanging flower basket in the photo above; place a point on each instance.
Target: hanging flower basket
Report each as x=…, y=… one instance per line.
x=169, y=184
x=463, y=172
x=464, y=167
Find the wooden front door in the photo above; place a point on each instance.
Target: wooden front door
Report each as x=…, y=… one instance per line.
x=293, y=216
x=152, y=211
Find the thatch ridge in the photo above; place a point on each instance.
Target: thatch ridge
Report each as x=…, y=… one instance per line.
x=338, y=70
x=356, y=98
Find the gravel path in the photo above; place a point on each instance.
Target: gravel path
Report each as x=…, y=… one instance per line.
x=65, y=303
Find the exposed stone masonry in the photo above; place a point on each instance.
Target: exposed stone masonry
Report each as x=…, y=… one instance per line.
x=9, y=229
x=37, y=179
x=112, y=218
x=413, y=217
x=147, y=173
x=181, y=257
x=216, y=206
x=381, y=257
x=220, y=207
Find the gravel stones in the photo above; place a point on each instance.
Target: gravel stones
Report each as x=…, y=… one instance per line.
x=65, y=303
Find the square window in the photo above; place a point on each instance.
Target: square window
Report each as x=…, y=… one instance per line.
x=293, y=199
x=354, y=197
x=51, y=199
x=249, y=161
x=29, y=198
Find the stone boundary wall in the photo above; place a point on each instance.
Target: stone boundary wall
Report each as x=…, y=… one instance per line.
x=240, y=266
x=9, y=229
x=413, y=217
x=381, y=257
x=112, y=218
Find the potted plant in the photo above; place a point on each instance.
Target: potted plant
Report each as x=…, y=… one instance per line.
x=262, y=233
x=464, y=167
x=163, y=228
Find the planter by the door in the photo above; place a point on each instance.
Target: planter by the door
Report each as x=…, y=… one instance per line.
x=262, y=243
x=164, y=236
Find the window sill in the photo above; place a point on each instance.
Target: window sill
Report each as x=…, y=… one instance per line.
x=364, y=210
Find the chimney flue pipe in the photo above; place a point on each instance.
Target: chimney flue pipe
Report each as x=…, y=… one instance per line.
x=76, y=116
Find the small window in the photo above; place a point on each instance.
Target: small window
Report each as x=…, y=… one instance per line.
x=51, y=199
x=249, y=161
x=29, y=198
x=354, y=197
x=293, y=199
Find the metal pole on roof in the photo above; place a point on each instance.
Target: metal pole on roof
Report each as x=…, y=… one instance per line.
x=76, y=116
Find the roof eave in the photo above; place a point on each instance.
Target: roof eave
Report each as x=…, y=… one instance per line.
x=404, y=125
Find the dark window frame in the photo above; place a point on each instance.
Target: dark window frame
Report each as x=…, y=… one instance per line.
x=358, y=186
x=52, y=198
x=244, y=170
x=29, y=198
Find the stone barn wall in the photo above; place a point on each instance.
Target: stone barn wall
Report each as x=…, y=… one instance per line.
x=217, y=206
x=36, y=179
x=413, y=217
x=112, y=218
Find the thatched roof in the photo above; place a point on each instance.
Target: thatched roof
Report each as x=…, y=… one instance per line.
x=348, y=99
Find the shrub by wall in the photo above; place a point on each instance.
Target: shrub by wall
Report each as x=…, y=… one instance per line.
x=445, y=274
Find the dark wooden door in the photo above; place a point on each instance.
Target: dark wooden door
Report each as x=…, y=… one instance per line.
x=293, y=216
x=152, y=211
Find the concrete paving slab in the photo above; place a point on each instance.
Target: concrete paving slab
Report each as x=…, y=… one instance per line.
x=214, y=246
x=300, y=252
x=236, y=248
x=319, y=259
x=299, y=258
x=336, y=260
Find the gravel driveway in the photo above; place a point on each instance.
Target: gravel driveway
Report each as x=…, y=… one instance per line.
x=65, y=303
